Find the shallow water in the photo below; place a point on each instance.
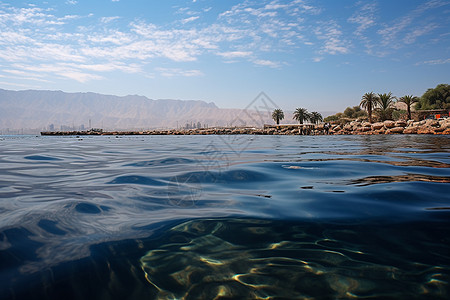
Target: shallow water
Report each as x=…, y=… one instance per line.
x=268, y=217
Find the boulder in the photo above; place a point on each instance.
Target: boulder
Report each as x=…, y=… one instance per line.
x=439, y=129
x=425, y=130
x=377, y=126
x=389, y=124
x=445, y=123
x=400, y=123
x=411, y=130
x=446, y=131
x=395, y=130
x=336, y=128
x=432, y=123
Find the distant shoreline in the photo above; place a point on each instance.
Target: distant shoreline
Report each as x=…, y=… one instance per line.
x=353, y=128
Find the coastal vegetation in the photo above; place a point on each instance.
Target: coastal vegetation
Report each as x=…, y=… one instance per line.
x=368, y=102
x=301, y=115
x=278, y=115
x=437, y=98
x=350, y=113
x=315, y=117
x=408, y=100
x=383, y=106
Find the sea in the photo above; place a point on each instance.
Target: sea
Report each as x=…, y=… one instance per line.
x=225, y=217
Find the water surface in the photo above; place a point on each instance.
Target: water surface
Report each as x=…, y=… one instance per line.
x=268, y=217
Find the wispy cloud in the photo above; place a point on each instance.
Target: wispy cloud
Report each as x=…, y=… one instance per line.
x=317, y=59
x=266, y=63
x=435, y=62
x=331, y=34
x=175, y=72
x=235, y=54
x=409, y=26
x=191, y=19
x=364, y=17
x=108, y=19
x=40, y=40
x=412, y=36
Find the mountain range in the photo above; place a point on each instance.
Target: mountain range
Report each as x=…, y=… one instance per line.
x=34, y=110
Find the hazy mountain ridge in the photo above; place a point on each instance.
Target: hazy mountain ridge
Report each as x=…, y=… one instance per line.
x=38, y=109
x=35, y=110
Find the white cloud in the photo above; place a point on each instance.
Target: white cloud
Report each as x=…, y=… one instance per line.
x=317, y=59
x=331, y=34
x=34, y=36
x=234, y=54
x=21, y=85
x=187, y=20
x=435, y=62
x=60, y=70
x=108, y=19
x=250, y=30
x=266, y=63
x=176, y=72
x=418, y=32
x=71, y=2
x=106, y=67
x=401, y=26
x=364, y=17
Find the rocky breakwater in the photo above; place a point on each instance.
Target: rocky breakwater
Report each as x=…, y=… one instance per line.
x=393, y=127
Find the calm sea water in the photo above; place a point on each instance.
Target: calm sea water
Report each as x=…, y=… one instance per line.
x=217, y=217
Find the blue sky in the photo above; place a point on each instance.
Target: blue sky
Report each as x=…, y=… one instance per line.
x=321, y=55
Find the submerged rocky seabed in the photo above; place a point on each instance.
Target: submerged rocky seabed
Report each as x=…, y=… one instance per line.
x=355, y=127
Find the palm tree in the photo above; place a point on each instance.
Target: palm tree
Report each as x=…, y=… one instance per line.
x=369, y=102
x=301, y=114
x=315, y=117
x=385, y=102
x=408, y=100
x=278, y=115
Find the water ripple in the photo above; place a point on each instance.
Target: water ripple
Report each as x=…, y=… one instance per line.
x=62, y=199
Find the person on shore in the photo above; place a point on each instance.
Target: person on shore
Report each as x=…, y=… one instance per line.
x=326, y=127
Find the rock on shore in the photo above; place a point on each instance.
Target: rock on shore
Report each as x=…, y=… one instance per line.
x=394, y=127
x=359, y=128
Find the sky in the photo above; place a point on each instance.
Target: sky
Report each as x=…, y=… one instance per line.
x=322, y=55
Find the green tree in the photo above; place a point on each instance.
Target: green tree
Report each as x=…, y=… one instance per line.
x=408, y=100
x=301, y=114
x=384, y=109
x=315, y=117
x=332, y=118
x=436, y=98
x=354, y=112
x=278, y=115
x=369, y=102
